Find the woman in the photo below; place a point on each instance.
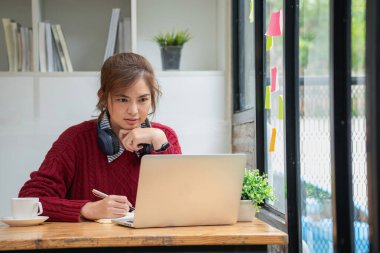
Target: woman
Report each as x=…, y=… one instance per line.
x=104, y=154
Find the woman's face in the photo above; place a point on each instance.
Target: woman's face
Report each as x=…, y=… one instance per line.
x=129, y=108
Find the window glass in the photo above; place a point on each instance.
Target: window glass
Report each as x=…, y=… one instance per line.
x=358, y=127
x=274, y=103
x=246, y=70
x=315, y=142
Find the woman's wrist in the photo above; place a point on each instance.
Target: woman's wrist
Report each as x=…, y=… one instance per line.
x=159, y=141
x=85, y=211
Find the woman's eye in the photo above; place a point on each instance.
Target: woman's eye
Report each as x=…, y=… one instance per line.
x=144, y=99
x=122, y=100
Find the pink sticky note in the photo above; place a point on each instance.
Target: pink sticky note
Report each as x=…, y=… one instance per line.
x=273, y=77
x=275, y=24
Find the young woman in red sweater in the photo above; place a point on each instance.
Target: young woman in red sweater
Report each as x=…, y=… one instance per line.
x=104, y=154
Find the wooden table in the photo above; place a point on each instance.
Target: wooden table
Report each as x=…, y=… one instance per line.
x=95, y=237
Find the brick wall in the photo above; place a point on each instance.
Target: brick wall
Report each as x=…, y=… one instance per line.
x=243, y=141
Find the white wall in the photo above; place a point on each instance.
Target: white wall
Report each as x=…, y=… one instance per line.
x=36, y=108
x=199, y=16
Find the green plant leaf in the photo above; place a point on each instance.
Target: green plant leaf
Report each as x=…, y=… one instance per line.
x=256, y=188
x=173, y=38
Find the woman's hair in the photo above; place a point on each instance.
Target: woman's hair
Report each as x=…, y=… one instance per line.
x=121, y=71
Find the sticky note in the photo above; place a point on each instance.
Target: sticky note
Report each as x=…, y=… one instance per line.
x=267, y=97
x=273, y=77
x=251, y=12
x=272, y=140
x=275, y=24
x=280, y=107
x=269, y=42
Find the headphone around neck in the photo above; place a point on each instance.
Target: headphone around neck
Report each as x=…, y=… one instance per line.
x=110, y=145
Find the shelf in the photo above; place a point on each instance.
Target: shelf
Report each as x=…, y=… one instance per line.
x=85, y=26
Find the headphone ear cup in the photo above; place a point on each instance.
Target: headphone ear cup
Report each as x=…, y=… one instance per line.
x=108, y=142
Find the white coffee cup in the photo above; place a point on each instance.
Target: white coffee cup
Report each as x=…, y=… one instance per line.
x=26, y=208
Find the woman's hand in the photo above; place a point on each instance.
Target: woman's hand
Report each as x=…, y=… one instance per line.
x=113, y=206
x=132, y=139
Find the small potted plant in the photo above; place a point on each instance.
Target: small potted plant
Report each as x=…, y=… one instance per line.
x=171, y=44
x=255, y=190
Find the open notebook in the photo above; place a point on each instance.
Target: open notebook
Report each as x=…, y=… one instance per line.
x=187, y=190
x=127, y=216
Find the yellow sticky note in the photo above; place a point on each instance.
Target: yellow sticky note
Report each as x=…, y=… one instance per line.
x=251, y=12
x=267, y=97
x=273, y=140
x=280, y=107
x=269, y=42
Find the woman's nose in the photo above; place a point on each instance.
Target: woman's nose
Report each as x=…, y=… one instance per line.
x=132, y=109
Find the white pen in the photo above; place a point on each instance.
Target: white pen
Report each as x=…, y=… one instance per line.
x=99, y=194
x=104, y=195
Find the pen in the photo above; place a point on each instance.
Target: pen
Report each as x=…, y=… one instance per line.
x=103, y=195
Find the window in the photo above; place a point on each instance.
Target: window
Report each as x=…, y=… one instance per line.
x=315, y=144
x=244, y=89
x=316, y=82
x=358, y=127
x=274, y=102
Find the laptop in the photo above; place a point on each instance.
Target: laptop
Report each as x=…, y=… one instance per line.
x=187, y=190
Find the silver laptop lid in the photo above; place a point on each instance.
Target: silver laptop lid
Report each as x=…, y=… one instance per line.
x=188, y=190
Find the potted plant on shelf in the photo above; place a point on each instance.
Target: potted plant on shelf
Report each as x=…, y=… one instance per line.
x=171, y=44
x=255, y=190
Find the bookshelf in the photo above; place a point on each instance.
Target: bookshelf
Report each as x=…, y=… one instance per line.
x=85, y=25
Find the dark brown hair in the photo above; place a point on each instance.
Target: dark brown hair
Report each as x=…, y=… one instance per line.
x=121, y=71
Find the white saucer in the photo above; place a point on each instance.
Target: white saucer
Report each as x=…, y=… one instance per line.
x=24, y=222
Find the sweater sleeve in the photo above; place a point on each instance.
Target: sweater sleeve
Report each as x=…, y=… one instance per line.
x=52, y=182
x=174, y=147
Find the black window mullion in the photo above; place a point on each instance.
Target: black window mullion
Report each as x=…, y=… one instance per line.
x=341, y=165
x=373, y=119
x=235, y=56
x=259, y=15
x=292, y=140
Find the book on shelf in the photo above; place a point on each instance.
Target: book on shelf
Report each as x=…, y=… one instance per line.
x=119, y=34
x=31, y=52
x=53, y=51
x=24, y=48
x=112, y=33
x=124, y=35
x=49, y=48
x=58, y=50
x=10, y=44
x=65, y=50
x=42, y=47
x=18, y=43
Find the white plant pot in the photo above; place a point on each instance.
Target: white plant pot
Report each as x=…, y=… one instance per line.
x=246, y=211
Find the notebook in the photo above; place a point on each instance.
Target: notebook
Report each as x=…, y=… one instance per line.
x=187, y=190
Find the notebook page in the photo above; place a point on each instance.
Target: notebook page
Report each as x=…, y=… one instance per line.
x=127, y=216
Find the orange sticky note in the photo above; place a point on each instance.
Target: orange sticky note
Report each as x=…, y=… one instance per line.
x=273, y=77
x=272, y=140
x=275, y=24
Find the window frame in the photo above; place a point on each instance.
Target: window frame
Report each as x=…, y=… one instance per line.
x=340, y=71
x=373, y=120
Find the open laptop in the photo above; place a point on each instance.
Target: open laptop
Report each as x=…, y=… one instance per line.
x=187, y=190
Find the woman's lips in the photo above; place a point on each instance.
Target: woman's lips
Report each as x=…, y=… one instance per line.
x=132, y=121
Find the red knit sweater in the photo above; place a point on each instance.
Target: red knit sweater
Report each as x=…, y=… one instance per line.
x=75, y=165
